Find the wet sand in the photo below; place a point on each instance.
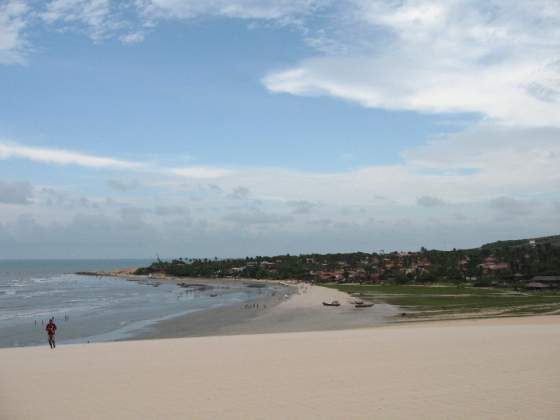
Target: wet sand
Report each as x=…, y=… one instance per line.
x=298, y=308
x=483, y=369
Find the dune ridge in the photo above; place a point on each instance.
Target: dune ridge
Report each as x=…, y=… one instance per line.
x=499, y=369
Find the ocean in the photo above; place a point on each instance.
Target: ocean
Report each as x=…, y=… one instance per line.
x=92, y=309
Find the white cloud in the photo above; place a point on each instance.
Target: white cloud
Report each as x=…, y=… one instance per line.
x=199, y=172
x=13, y=44
x=132, y=38
x=288, y=10
x=476, y=166
x=130, y=20
x=497, y=58
x=9, y=150
x=64, y=157
x=94, y=16
x=494, y=183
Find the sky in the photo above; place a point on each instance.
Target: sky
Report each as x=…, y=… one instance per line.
x=227, y=128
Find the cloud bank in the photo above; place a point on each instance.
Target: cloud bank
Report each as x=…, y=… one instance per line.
x=496, y=58
x=476, y=165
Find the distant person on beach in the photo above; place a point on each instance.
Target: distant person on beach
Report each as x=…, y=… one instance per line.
x=51, y=331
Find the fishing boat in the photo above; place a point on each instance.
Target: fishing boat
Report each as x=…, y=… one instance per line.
x=333, y=303
x=363, y=305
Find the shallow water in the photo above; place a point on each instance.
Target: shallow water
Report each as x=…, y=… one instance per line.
x=88, y=308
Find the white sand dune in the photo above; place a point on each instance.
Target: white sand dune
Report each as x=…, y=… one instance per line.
x=495, y=369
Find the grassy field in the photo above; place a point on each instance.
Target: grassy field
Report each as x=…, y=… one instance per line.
x=456, y=301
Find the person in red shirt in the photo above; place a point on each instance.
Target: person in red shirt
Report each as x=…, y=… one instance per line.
x=51, y=330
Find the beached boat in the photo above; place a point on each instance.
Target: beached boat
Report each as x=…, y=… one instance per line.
x=363, y=305
x=333, y=303
x=256, y=285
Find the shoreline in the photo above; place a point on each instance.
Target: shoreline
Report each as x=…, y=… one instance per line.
x=139, y=308
x=300, y=310
x=298, y=307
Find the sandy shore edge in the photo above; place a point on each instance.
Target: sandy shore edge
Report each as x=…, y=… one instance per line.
x=298, y=308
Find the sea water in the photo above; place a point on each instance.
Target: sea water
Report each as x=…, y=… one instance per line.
x=90, y=308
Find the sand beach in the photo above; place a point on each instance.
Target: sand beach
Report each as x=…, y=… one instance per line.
x=475, y=369
x=298, y=307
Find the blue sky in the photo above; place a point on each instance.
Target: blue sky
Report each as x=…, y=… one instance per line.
x=259, y=127
x=203, y=101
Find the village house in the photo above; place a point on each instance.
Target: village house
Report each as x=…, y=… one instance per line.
x=491, y=265
x=424, y=263
x=326, y=276
x=267, y=265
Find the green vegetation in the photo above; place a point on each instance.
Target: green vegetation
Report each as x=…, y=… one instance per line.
x=280, y=267
x=503, y=263
x=435, y=301
x=493, y=280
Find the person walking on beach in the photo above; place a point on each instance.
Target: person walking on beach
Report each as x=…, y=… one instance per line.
x=51, y=331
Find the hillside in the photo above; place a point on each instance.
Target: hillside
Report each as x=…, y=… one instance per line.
x=498, y=262
x=552, y=240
